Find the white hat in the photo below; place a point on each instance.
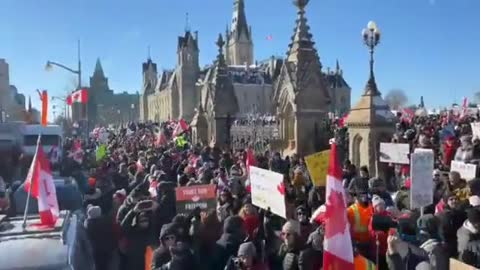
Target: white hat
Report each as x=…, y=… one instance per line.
x=292, y=226
x=376, y=200
x=474, y=200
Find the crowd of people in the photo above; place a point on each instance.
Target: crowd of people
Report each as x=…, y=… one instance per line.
x=132, y=220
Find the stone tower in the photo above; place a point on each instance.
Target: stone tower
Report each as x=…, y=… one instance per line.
x=301, y=94
x=239, y=50
x=219, y=100
x=187, y=73
x=369, y=123
x=149, y=70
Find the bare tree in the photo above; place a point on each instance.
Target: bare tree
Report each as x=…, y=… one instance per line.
x=396, y=98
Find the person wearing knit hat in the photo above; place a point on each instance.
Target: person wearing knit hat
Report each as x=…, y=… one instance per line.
x=378, y=203
x=247, y=254
x=94, y=211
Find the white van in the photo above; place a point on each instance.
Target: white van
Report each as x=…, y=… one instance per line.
x=52, y=135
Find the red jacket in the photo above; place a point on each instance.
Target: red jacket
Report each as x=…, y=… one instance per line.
x=382, y=236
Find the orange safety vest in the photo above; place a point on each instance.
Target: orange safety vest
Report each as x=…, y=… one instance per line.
x=148, y=258
x=359, y=219
x=362, y=263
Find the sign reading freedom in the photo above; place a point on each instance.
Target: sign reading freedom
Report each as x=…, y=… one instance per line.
x=189, y=198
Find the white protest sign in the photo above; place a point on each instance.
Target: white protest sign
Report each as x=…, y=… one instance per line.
x=467, y=171
x=268, y=190
x=476, y=130
x=421, y=190
x=394, y=153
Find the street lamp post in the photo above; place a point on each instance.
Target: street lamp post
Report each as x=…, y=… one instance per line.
x=50, y=65
x=371, y=38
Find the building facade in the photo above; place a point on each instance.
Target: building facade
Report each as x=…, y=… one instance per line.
x=105, y=107
x=12, y=103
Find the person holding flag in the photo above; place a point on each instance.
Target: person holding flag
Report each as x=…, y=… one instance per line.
x=39, y=184
x=337, y=245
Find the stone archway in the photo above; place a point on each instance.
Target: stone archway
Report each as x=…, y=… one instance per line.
x=356, y=155
x=289, y=123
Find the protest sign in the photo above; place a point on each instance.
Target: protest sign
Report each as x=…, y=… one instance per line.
x=421, y=190
x=476, y=130
x=458, y=265
x=317, y=165
x=467, y=171
x=394, y=153
x=268, y=190
x=189, y=198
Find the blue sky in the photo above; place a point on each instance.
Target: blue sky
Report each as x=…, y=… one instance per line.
x=429, y=47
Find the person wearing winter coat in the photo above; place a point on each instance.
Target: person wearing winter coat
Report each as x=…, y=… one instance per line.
x=469, y=231
x=402, y=255
x=247, y=259
x=451, y=219
x=459, y=187
x=182, y=258
x=378, y=205
x=168, y=239
x=288, y=253
x=99, y=231
x=228, y=244
x=311, y=258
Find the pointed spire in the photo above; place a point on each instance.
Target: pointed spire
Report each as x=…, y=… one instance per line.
x=148, y=53
x=187, y=22
x=337, y=68
x=98, y=69
x=422, y=104
x=239, y=20
x=302, y=38
x=220, y=43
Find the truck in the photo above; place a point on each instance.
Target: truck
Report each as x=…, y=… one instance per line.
x=65, y=246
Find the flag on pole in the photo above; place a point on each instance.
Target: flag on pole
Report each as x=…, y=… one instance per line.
x=161, y=138
x=40, y=181
x=338, y=250
x=250, y=161
x=181, y=127
x=79, y=96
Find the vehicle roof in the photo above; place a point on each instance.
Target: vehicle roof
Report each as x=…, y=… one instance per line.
x=43, y=246
x=36, y=129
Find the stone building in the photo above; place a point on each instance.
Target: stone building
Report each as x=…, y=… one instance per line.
x=369, y=123
x=179, y=93
x=104, y=106
x=12, y=103
x=301, y=93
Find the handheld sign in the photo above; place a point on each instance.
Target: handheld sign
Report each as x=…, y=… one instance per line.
x=189, y=198
x=268, y=190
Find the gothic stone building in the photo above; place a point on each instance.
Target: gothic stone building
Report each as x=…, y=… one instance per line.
x=104, y=106
x=186, y=90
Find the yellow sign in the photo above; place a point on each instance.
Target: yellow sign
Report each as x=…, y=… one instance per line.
x=317, y=165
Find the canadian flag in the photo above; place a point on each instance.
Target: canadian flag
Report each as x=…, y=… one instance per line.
x=337, y=244
x=77, y=152
x=161, y=138
x=40, y=184
x=181, y=127
x=79, y=96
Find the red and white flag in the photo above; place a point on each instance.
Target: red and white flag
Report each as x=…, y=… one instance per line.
x=338, y=250
x=79, y=96
x=40, y=181
x=77, y=152
x=250, y=161
x=161, y=138
x=181, y=127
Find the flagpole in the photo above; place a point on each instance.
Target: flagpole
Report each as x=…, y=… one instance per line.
x=24, y=225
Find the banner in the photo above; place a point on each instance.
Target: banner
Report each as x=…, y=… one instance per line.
x=421, y=190
x=189, y=198
x=394, y=153
x=317, y=165
x=467, y=171
x=268, y=190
